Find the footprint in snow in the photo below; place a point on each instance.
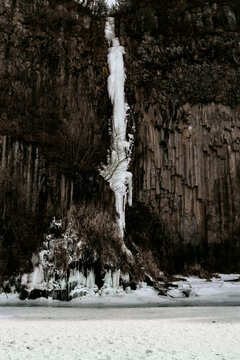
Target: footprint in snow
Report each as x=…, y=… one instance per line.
x=148, y=352
x=29, y=347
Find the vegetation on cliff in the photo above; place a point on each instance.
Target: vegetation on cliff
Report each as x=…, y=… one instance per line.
x=182, y=64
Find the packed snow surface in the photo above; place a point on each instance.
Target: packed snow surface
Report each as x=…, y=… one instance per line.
x=116, y=171
x=209, y=333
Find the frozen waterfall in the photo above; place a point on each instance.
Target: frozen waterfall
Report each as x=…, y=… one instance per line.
x=116, y=171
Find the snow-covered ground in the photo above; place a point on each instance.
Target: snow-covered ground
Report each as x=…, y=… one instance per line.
x=132, y=325
x=219, y=291
x=181, y=333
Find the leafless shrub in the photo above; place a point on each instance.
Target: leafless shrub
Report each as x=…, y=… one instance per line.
x=97, y=7
x=61, y=256
x=148, y=263
x=100, y=239
x=75, y=140
x=196, y=270
x=99, y=234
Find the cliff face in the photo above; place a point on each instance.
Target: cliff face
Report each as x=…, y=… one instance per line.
x=183, y=87
x=183, y=77
x=54, y=120
x=53, y=76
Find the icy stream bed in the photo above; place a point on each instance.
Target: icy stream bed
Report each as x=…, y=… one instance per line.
x=203, y=333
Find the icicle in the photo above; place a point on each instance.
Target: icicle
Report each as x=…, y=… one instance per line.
x=77, y=277
x=116, y=171
x=108, y=279
x=116, y=278
x=125, y=278
x=90, y=279
x=37, y=277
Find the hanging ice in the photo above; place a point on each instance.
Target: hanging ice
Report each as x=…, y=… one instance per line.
x=116, y=171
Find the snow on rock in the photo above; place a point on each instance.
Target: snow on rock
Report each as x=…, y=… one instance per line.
x=116, y=171
x=176, y=293
x=227, y=277
x=80, y=292
x=219, y=287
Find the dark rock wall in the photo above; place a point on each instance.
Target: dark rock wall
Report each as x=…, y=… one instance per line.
x=53, y=76
x=54, y=112
x=183, y=87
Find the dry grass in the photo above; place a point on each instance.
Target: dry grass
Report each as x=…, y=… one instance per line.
x=61, y=257
x=99, y=234
x=149, y=264
x=197, y=270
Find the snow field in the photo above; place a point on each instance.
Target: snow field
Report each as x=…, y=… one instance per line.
x=120, y=334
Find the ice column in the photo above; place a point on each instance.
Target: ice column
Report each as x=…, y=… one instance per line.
x=116, y=171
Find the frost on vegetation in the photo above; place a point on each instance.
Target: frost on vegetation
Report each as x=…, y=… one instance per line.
x=97, y=7
x=60, y=266
x=50, y=262
x=116, y=171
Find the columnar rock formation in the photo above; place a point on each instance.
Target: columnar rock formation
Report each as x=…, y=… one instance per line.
x=186, y=107
x=54, y=120
x=183, y=87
